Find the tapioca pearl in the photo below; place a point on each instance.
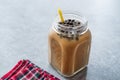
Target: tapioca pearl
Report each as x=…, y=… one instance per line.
x=68, y=23
x=66, y=32
x=71, y=23
x=62, y=31
x=64, y=36
x=79, y=23
x=73, y=20
x=70, y=32
x=78, y=31
x=69, y=20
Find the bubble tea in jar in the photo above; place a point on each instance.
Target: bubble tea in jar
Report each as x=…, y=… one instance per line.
x=69, y=44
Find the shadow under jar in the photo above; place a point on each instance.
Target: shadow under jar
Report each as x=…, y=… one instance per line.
x=69, y=44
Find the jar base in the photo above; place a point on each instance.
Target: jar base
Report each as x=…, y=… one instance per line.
x=71, y=74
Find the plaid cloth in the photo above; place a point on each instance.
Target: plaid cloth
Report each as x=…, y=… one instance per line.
x=25, y=70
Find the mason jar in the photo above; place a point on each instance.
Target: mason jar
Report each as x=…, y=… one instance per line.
x=69, y=46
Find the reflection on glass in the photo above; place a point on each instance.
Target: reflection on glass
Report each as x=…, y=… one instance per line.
x=79, y=76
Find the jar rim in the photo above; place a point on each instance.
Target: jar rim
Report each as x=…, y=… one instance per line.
x=73, y=30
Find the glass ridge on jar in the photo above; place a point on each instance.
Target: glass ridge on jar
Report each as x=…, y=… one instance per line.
x=69, y=47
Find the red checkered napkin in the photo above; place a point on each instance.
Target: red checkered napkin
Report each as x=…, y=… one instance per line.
x=25, y=70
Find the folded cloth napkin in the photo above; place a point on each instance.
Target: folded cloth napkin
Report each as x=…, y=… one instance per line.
x=26, y=70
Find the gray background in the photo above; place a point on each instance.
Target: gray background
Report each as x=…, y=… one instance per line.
x=24, y=27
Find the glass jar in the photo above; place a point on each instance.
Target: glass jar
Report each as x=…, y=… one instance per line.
x=69, y=47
